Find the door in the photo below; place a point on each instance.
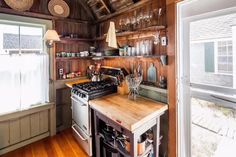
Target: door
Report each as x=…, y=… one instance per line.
x=207, y=76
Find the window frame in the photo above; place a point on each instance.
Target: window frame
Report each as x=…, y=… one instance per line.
x=42, y=51
x=26, y=24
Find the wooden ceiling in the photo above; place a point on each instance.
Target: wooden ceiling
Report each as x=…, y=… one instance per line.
x=88, y=10
x=101, y=10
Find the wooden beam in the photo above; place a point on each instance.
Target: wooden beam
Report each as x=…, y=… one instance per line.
x=171, y=78
x=126, y=9
x=38, y=15
x=87, y=8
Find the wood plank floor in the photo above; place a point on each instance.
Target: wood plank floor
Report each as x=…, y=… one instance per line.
x=61, y=145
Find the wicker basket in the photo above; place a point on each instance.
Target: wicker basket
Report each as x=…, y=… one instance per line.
x=20, y=5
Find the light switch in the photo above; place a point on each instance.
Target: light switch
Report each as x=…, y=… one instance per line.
x=163, y=41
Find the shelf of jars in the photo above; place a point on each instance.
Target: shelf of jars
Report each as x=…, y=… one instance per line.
x=71, y=58
x=135, y=32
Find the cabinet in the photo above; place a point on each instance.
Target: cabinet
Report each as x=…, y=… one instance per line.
x=4, y=136
x=63, y=109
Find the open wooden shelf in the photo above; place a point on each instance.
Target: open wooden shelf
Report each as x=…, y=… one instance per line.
x=149, y=147
x=71, y=79
x=145, y=56
x=71, y=58
x=138, y=31
x=74, y=40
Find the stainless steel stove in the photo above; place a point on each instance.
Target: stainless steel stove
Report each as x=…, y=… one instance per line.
x=81, y=94
x=92, y=90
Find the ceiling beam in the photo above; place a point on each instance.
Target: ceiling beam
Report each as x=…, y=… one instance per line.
x=126, y=9
x=87, y=9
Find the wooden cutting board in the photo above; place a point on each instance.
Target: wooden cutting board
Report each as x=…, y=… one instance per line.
x=152, y=73
x=128, y=113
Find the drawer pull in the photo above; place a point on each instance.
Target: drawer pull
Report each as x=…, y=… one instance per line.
x=118, y=121
x=83, y=139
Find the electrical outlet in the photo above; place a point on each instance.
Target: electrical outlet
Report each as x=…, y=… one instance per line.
x=163, y=41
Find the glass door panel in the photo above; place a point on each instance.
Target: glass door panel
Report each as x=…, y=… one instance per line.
x=212, y=86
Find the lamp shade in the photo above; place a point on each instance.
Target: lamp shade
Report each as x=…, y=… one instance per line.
x=51, y=35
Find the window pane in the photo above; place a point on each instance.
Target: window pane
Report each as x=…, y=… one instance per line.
x=9, y=39
x=31, y=39
x=230, y=59
x=222, y=59
x=230, y=51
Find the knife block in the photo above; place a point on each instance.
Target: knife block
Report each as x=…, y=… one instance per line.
x=123, y=88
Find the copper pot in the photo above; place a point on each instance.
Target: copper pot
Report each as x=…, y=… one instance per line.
x=141, y=145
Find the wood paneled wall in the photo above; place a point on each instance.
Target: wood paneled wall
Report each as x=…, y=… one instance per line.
x=129, y=63
x=83, y=30
x=41, y=6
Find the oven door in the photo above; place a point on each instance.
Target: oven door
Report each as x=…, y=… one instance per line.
x=84, y=140
x=80, y=114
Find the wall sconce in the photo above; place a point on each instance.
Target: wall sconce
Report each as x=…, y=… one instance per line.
x=51, y=36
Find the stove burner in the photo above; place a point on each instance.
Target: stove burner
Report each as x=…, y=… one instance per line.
x=94, y=89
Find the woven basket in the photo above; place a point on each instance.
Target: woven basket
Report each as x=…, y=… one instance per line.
x=20, y=5
x=59, y=8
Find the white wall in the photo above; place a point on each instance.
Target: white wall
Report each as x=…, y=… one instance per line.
x=234, y=56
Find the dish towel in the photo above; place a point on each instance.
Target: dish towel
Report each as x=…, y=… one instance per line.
x=111, y=36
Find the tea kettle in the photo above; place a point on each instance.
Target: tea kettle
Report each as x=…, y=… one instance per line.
x=96, y=77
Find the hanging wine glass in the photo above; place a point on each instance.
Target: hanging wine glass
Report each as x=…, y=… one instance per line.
x=159, y=15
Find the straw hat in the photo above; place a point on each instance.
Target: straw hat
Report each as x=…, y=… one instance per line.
x=20, y=5
x=59, y=8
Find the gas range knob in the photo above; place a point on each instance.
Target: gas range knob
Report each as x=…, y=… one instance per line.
x=77, y=92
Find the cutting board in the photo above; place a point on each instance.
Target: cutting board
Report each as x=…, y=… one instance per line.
x=152, y=73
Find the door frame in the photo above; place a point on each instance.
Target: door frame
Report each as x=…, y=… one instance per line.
x=183, y=72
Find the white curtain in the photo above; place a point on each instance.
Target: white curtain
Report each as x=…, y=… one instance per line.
x=24, y=81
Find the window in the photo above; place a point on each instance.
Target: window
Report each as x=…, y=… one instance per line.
x=20, y=39
x=225, y=57
x=222, y=50
x=24, y=68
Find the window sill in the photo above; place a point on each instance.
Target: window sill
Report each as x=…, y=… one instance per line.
x=22, y=113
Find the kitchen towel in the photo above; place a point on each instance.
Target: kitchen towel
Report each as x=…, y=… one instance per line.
x=111, y=36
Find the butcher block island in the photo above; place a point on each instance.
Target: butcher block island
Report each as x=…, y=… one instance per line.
x=131, y=119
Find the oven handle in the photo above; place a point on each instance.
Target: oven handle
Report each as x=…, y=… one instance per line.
x=73, y=127
x=77, y=101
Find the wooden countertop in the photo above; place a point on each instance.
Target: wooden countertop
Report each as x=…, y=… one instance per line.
x=70, y=84
x=128, y=113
